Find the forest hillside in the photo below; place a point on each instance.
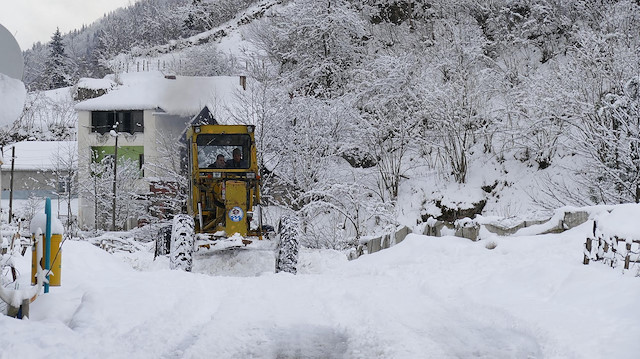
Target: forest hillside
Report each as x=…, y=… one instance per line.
x=376, y=112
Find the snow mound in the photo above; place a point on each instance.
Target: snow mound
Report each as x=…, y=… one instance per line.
x=12, y=97
x=621, y=222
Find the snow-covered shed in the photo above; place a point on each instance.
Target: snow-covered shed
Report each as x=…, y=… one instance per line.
x=40, y=168
x=151, y=111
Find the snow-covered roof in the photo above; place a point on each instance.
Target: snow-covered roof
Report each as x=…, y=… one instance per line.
x=44, y=155
x=183, y=96
x=96, y=84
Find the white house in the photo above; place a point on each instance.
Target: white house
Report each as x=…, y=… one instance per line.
x=150, y=110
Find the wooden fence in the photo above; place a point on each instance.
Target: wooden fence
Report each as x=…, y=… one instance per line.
x=611, y=249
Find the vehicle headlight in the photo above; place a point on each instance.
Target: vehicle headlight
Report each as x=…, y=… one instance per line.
x=251, y=175
x=217, y=175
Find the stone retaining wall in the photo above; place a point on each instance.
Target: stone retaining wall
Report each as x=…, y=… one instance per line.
x=469, y=229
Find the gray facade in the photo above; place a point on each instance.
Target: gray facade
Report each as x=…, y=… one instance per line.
x=32, y=183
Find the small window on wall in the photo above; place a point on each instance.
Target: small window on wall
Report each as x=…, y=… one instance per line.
x=63, y=185
x=128, y=121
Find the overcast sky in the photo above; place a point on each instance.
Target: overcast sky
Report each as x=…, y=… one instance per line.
x=31, y=21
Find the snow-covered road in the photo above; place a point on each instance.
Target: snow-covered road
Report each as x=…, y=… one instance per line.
x=530, y=297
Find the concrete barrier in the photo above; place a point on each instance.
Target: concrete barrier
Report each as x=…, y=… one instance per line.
x=401, y=234
x=574, y=219
x=373, y=244
x=468, y=232
x=384, y=241
x=469, y=229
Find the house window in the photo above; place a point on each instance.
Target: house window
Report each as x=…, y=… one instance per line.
x=63, y=185
x=128, y=121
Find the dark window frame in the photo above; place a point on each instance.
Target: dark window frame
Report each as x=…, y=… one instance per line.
x=128, y=121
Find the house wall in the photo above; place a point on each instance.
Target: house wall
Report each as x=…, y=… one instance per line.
x=159, y=129
x=27, y=183
x=87, y=140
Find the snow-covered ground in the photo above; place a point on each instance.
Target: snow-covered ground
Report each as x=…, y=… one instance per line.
x=427, y=297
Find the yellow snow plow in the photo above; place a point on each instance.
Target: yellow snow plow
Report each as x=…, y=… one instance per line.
x=225, y=185
x=223, y=208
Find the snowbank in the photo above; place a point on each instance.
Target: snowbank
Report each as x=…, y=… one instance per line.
x=12, y=97
x=448, y=297
x=623, y=222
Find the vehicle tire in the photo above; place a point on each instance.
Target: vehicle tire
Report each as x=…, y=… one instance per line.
x=163, y=241
x=182, y=243
x=288, y=243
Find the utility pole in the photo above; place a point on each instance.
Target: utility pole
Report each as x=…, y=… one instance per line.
x=13, y=160
x=115, y=173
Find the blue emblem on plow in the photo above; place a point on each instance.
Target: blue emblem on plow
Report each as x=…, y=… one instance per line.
x=236, y=214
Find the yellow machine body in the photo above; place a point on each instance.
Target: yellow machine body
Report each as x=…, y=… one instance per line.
x=55, y=260
x=223, y=198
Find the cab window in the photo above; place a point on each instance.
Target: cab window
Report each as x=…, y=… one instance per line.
x=223, y=151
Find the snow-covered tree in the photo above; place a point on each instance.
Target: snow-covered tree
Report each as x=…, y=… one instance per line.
x=389, y=99
x=316, y=44
x=65, y=179
x=167, y=177
x=205, y=60
x=98, y=189
x=610, y=139
x=458, y=89
x=198, y=17
x=58, y=65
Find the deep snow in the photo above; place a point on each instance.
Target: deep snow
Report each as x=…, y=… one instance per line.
x=427, y=297
x=12, y=97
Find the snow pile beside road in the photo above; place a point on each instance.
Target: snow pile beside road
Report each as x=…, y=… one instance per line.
x=447, y=297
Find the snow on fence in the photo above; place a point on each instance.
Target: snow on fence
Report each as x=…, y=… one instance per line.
x=615, y=238
x=144, y=65
x=610, y=251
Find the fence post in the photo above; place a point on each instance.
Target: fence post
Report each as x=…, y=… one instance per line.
x=47, y=243
x=627, y=258
x=588, y=250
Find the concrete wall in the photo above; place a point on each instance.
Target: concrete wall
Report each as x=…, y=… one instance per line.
x=375, y=244
x=469, y=230
x=28, y=183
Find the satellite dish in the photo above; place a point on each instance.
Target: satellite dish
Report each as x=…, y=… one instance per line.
x=11, y=61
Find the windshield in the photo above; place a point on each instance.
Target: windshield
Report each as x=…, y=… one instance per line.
x=223, y=151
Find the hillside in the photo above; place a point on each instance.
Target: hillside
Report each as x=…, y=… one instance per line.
x=372, y=114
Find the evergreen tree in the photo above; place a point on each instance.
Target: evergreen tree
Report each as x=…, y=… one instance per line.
x=58, y=65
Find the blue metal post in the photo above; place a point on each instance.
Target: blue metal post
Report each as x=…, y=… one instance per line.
x=47, y=243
